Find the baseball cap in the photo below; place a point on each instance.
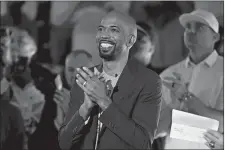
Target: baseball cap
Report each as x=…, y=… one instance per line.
x=201, y=16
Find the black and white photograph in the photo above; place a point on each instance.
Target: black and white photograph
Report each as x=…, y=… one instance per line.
x=107, y=75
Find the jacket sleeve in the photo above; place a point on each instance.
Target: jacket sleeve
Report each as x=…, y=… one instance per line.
x=138, y=131
x=69, y=131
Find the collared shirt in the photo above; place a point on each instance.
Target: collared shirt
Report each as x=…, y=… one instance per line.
x=205, y=81
x=30, y=102
x=210, y=60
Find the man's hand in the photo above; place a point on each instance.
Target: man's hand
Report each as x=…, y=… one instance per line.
x=214, y=139
x=192, y=103
x=86, y=107
x=4, y=86
x=62, y=99
x=30, y=125
x=88, y=104
x=176, y=85
x=94, y=87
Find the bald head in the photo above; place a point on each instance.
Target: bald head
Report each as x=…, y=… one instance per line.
x=125, y=19
x=75, y=60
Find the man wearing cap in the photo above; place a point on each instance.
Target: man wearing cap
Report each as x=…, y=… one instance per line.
x=195, y=84
x=73, y=60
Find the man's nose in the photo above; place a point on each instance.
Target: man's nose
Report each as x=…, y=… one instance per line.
x=192, y=31
x=105, y=34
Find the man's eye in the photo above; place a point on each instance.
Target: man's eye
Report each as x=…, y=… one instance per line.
x=100, y=29
x=114, y=30
x=188, y=27
x=201, y=28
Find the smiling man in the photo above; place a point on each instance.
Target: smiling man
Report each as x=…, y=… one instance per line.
x=120, y=115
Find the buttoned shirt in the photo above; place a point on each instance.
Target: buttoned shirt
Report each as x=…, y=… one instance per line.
x=205, y=82
x=29, y=100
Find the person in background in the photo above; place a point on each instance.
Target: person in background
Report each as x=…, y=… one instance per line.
x=75, y=59
x=219, y=46
x=170, y=48
x=144, y=47
x=32, y=88
x=142, y=51
x=195, y=84
x=11, y=122
x=12, y=126
x=22, y=48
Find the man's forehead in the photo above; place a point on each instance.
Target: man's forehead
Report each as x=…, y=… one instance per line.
x=196, y=23
x=112, y=21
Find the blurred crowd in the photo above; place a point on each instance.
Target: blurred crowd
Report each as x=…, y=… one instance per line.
x=42, y=44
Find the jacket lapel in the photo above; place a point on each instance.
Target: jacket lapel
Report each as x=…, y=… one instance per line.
x=125, y=85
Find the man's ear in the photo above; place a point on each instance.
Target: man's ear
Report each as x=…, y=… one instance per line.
x=131, y=40
x=216, y=37
x=152, y=49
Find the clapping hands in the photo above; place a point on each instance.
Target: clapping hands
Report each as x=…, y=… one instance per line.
x=176, y=84
x=62, y=98
x=93, y=86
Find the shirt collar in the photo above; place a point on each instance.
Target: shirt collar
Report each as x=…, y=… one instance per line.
x=96, y=71
x=210, y=60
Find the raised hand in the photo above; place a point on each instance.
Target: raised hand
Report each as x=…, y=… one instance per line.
x=62, y=98
x=94, y=87
x=176, y=84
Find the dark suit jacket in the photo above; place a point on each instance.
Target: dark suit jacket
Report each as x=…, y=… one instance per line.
x=130, y=122
x=12, y=127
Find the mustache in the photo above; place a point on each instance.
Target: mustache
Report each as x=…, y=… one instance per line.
x=102, y=40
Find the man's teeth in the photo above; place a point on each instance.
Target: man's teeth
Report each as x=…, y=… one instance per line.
x=106, y=45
